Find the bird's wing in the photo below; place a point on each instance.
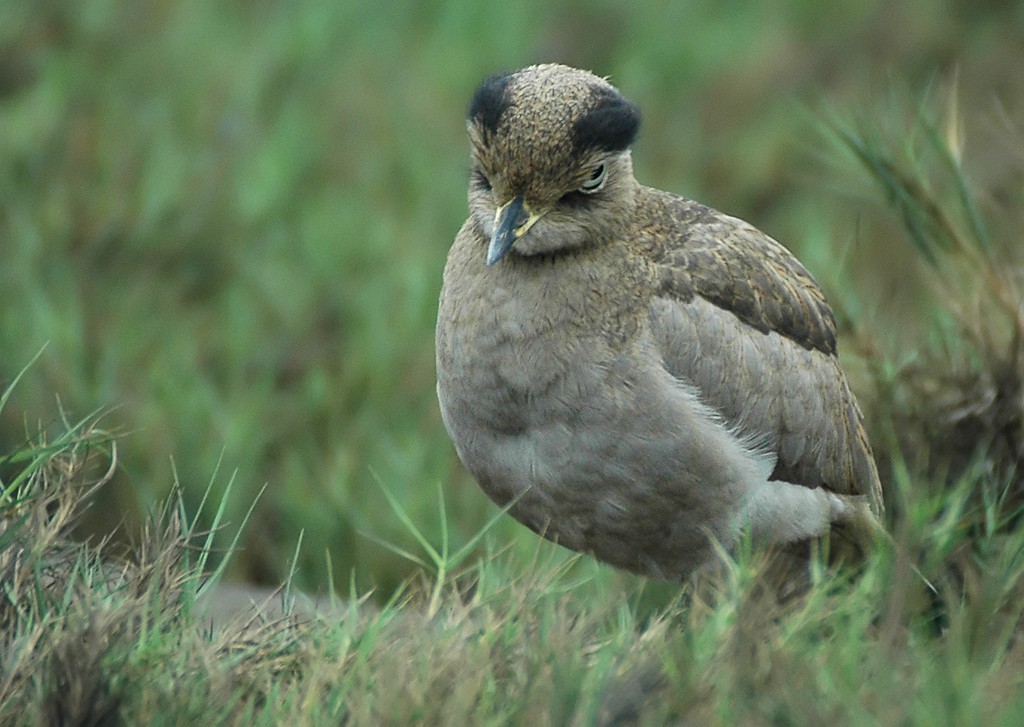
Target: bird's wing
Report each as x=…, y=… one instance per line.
x=738, y=317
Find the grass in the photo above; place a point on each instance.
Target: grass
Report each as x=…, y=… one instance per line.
x=225, y=231
x=957, y=400
x=91, y=635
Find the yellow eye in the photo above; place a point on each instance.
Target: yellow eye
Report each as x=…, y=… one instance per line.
x=596, y=179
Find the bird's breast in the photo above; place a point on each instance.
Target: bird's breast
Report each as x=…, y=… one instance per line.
x=524, y=343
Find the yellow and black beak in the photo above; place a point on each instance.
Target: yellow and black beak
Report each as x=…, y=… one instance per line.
x=511, y=222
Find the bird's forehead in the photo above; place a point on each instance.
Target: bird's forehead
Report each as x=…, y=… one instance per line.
x=541, y=121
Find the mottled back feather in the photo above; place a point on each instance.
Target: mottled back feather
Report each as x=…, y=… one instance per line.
x=738, y=268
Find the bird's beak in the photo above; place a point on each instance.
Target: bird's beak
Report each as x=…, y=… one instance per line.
x=510, y=223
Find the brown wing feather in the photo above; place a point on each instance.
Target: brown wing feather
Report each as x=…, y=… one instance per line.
x=770, y=368
x=738, y=268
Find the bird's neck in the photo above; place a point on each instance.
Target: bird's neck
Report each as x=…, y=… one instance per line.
x=594, y=288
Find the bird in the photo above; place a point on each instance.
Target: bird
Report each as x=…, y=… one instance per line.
x=633, y=374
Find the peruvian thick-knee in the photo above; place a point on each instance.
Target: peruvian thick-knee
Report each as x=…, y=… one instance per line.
x=638, y=374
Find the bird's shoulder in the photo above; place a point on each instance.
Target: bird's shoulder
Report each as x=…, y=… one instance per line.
x=698, y=251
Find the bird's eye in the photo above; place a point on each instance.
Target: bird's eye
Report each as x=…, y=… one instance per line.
x=596, y=180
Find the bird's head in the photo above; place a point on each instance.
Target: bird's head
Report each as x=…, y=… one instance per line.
x=551, y=164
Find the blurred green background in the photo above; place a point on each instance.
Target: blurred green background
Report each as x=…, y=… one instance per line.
x=227, y=220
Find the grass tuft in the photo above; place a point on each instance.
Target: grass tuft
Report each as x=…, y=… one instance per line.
x=957, y=403
x=93, y=634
